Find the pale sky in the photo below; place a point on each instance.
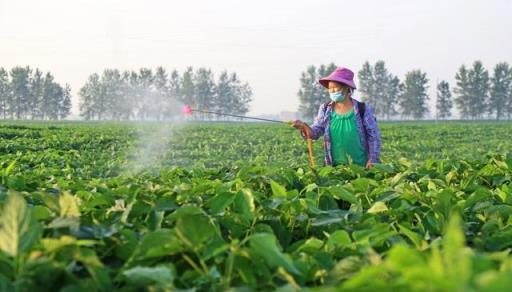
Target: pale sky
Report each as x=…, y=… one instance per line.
x=267, y=42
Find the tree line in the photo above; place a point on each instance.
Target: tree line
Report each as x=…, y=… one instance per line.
x=148, y=94
x=32, y=94
x=476, y=95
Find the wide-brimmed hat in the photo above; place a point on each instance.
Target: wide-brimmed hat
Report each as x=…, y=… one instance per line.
x=341, y=75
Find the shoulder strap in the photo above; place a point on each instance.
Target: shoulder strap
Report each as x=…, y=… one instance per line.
x=362, y=108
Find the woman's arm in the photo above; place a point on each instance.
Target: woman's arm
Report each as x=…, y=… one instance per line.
x=317, y=129
x=373, y=135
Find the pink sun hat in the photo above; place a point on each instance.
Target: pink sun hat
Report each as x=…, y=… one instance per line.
x=341, y=75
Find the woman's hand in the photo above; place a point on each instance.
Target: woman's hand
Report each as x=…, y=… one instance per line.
x=369, y=164
x=298, y=124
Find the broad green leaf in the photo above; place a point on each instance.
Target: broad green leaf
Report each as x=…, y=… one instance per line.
x=52, y=245
x=244, y=205
x=320, y=221
x=311, y=245
x=341, y=193
x=378, y=207
x=456, y=260
x=277, y=189
x=218, y=203
x=264, y=245
x=65, y=222
x=127, y=244
x=194, y=229
x=95, y=267
x=502, y=210
x=444, y=202
x=384, y=168
x=41, y=213
x=68, y=205
x=362, y=184
x=325, y=171
x=499, y=239
x=479, y=195
x=405, y=162
x=339, y=239
x=184, y=211
x=15, y=224
x=413, y=236
x=450, y=176
x=155, y=219
x=165, y=204
x=10, y=167
x=376, y=235
x=155, y=244
x=145, y=276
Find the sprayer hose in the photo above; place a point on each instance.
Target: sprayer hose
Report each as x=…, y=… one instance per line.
x=307, y=132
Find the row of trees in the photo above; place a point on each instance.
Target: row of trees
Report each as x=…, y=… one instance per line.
x=158, y=95
x=32, y=94
x=476, y=95
x=479, y=96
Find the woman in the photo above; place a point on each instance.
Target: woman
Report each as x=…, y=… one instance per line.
x=349, y=127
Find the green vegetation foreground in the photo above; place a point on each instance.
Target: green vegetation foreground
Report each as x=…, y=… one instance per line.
x=99, y=206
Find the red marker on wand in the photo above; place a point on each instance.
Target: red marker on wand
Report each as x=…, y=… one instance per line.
x=186, y=110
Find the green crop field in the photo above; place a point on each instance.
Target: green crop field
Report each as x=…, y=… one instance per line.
x=150, y=207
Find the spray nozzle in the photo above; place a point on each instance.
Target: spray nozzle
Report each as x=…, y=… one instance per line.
x=187, y=110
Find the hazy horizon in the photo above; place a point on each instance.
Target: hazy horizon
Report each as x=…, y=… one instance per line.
x=268, y=43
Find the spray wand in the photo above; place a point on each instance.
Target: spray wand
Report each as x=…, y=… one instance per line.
x=187, y=110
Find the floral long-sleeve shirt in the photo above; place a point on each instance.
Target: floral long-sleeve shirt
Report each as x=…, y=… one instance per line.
x=369, y=133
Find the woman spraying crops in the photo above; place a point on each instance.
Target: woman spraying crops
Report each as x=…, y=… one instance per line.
x=349, y=127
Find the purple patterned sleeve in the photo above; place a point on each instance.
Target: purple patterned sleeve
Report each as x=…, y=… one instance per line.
x=374, y=139
x=317, y=129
